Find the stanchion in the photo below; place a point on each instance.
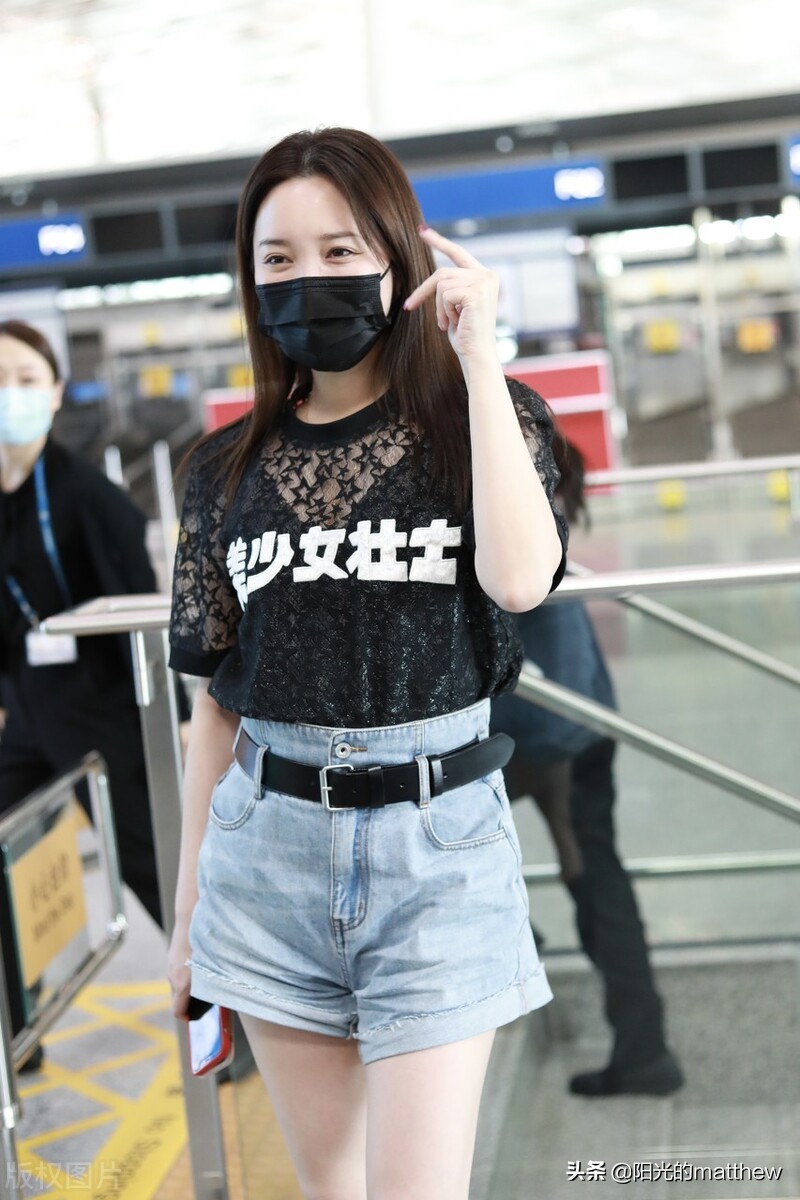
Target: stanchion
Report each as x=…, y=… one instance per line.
x=10, y=1188
x=158, y=708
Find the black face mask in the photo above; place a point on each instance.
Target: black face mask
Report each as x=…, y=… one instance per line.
x=325, y=323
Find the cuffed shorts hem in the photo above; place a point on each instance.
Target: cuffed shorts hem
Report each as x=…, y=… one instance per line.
x=422, y=1031
x=426, y=1030
x=219, y=989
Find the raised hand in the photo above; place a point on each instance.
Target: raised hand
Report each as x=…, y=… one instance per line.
x=466, y=299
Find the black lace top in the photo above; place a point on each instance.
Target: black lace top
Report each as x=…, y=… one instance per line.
x=339, y=589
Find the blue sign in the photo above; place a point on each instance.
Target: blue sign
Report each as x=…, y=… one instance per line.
x=794, y=159
x=514, y=191
x=42, y=241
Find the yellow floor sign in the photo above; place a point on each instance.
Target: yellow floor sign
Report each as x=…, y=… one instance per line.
x=105, y=1118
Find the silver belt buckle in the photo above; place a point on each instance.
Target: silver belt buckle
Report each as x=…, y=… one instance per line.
x=325, y=787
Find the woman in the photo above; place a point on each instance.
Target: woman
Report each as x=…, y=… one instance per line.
x=66, y=535
x=346, y=558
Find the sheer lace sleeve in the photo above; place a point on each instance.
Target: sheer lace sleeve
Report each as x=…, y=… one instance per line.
x=205, y=611
x=537, y=429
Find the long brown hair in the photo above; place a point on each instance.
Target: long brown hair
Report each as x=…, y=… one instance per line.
x=416, y=361
x=570, y=491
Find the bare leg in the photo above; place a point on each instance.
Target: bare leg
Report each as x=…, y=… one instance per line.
x=423, y=1114
x=317, y=1086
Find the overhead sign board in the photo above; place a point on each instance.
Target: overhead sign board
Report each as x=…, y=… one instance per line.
x=513, y=191
x=36, y=242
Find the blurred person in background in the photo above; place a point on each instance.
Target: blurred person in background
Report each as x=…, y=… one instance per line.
x=67, y=535
x=568, y=769
x=350, y=874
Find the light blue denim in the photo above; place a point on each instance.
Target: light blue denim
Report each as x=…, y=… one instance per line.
x=404, y=927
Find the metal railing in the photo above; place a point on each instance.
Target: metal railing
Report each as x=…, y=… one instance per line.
x=14, y=1050
x=701, y=632
x=615, y=584
x=566, y=703
x=684, y=866
x=113, y=615
x=534, y=688
x=728, y=468
x=693, y=470
x=146, y=618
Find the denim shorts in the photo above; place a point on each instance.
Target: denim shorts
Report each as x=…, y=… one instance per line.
x=403, y=927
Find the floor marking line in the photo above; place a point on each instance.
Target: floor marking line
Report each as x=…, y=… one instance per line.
x=93, y=1122
x=63, y=1035
x=153, y=988
x=162, y=1037
x=82, y=1085
x=136, y=1140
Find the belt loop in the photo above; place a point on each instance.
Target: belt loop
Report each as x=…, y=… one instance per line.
x=258, y=772
x=424, y=780
x=377, y=793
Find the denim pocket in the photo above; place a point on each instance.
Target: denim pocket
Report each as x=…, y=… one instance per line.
x=467, y=817
x=232, y=800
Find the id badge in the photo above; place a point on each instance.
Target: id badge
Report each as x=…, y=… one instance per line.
x=47, y=650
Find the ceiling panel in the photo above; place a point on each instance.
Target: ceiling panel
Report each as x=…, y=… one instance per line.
x=99, y=82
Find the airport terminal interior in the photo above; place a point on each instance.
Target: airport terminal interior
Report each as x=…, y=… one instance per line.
x=632, y=175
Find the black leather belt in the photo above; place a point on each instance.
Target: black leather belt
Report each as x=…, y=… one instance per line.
x=342, y=786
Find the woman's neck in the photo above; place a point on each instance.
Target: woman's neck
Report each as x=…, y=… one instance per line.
x=17, y=463
x=337, y=394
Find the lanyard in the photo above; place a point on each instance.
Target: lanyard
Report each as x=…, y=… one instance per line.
x=50, y=549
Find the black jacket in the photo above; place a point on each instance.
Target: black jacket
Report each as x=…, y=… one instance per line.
x=111, y=532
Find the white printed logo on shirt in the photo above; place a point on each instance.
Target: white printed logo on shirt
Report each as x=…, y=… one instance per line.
x=255, y=565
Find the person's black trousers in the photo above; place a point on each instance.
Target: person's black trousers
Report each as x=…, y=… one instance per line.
x=607, y=915
x=50, y=728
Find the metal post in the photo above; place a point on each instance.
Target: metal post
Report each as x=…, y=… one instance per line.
x=155, y=694
x=722, y=445
x=113, y=464
x=10, y=1113
x=790, y=212
x=165, y=497
x=794, y=496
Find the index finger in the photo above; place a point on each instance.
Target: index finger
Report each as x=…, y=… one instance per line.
x=456, y=253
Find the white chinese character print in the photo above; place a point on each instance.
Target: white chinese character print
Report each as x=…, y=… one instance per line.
x=387, y=542
x=318, y=564
x=236, y=560
x=278, y=556
x=273, y=551
x=432, y=567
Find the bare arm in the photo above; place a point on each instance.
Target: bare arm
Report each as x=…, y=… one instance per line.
x=208, y=757
x=517, y=547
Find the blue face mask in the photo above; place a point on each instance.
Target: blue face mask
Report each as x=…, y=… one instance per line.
x=26, y=413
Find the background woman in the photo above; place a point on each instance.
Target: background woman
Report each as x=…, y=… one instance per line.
x=66, y=535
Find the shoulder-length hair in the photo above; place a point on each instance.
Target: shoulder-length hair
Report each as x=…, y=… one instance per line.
x=416, y=362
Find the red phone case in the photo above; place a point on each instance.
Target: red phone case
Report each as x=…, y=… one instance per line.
x=204, y=1060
